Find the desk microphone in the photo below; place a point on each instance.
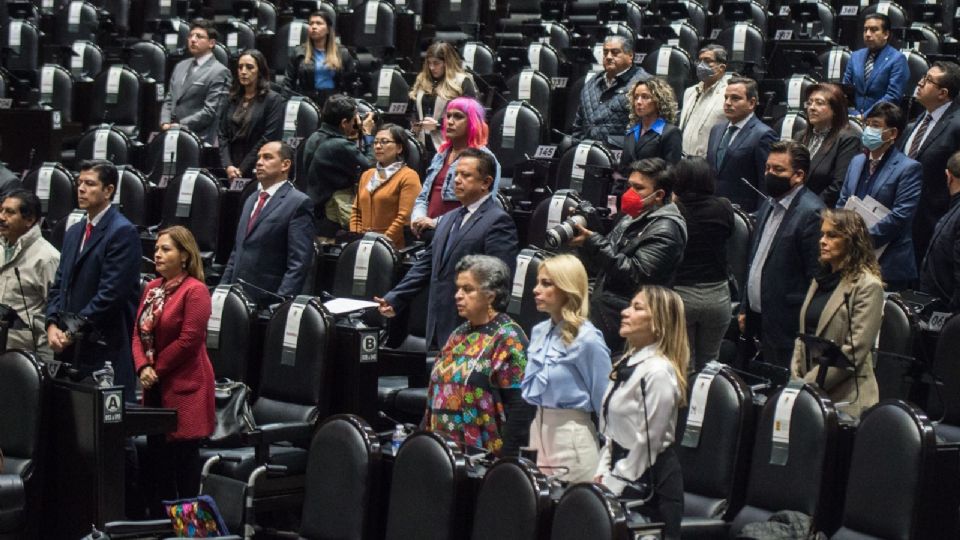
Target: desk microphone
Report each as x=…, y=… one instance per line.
x=262, y=290
x=394, y=421
x=26, y=311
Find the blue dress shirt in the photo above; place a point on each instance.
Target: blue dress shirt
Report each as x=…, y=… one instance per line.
x=561, y=376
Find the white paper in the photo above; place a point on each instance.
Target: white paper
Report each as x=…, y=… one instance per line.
x=73, y=12
x=13, y=37
x=296, y=29
x=786, y=130
x=185, y=196
x=523, y=86
x=76, y=59
x=370, y=16
x=232, y=40
x=783, y=414
x=291, y=331
x=834, y=64
x=383, y=83
x=361, y=266
x=43, y=181
x=46, y=80
x=121, y=170
x=165, y=5
x=469, y=52
x=171, y=40
x=217, y=299
x=290, y=115
x=510, y=120
x=740, y=37
x=793, y=92
x=339, y=306
x=580, y=159
x=113, y=80
x=100, y=139
x=663, y=61
x=555, y=210
x=523, y=261
x=598, y=53
x=170, y=139
x=883, y=8
x=698, y=398
x=533, y=55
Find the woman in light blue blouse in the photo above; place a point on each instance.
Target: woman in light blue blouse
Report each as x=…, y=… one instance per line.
x=568, y=364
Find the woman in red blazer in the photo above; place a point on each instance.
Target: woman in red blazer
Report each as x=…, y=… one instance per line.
x=169, y=350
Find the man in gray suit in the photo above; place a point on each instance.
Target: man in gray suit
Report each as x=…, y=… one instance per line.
x=198, y=86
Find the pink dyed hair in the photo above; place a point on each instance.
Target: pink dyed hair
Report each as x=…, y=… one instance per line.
x=477, y=128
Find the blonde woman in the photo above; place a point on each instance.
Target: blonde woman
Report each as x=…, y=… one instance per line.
x=319, y=67
x=566, y=375
x=639, y=414
x=441, y=80
x=653, y=132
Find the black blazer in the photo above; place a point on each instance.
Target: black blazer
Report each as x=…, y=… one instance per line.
x=266, y=118
x=746, y=158
x=668, y=145
x=828, y=167
x=300, y=75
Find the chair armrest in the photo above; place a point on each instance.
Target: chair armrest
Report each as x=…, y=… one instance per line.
x=285, y=431
x=136, y=529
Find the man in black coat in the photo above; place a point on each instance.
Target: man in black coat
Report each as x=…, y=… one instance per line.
x=940, y=273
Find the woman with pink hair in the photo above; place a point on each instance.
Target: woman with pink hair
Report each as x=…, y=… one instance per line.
x=464, y=126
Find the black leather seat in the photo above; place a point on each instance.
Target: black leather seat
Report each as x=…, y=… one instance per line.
x=545, y=58
x=229, y=334
x=55, y=187
x=673, y=64
x=591, y=178
x=21, y=400
x=85, y=60
x=455, y=21
x=173, y=34
x=428, y=480
x=479, y=58
x=834, y=62
x=193, y=200
x=945, y=403
x=791, y=126
x=377, y=38
x=809, y=470
x=591, y=511
x=237, y=35
x=745, y=43
x=738, y=253
x=535, y=88
x=523, y=308
x=513, y=502
x=287, y=37
x=390, y=91
x=56, y=90
x=132, y=195
x=515, y=133
x=894, y=358
x=171, y=153
x=374, y=253
x=149, y=59
x=117, y=98
x=23, y=58
x=77, y=20
x=301, y=118
x=105, y=142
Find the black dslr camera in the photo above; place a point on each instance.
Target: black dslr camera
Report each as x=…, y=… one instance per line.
x=584, y=215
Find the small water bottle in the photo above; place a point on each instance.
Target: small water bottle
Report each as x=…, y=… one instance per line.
x=104, y=376
x=399, y=435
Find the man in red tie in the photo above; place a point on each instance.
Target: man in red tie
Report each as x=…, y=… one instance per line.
x=274, y=243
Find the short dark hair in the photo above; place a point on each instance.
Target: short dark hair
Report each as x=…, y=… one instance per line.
x=625, y=41
x=884, y=20
x=799, y=155
x=719, y=52
x=657, y=170
x=953, y=164
x=749, y=85
x=399, y=136
x=950, y=80
x=207, y=26
x=486, y=166
x=286, y=151
x=339, y=107
x=29, y=203
x=106, y=172
x=693, y=176
x=892, y=116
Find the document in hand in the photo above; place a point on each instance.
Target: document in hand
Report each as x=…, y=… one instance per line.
x=871, y=210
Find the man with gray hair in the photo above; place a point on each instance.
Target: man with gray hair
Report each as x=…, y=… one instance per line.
x=604, y=107
x=703, y=102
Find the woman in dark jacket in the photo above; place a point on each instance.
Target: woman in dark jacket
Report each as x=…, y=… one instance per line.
x=253, y=116
x=831, y=142
x=653, y=133
x=319, y=67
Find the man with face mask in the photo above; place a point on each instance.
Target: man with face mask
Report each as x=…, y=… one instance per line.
x=703, y=102
x=941, y=266
x=784, y=257
x=645, y=246
x=894, y=180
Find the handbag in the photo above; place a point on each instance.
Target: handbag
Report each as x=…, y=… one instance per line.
x=233, y=414
x=197, y=517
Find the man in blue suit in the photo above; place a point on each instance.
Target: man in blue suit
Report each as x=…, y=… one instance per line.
x=784, y=256
x=894, y=180
x=274, y=243
x=479, y=227
x=738, y=148
x=98, y=279
x=878, y=72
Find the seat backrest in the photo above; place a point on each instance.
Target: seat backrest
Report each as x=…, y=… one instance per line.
x=117, y=12
x=171, y=153
x=116, y=98
x=149, y=59
x=238, y=35
x=894, y=347
x=415, y=156
x=714, y=461
x=452, y=13
x=366, y=268
x=549, y=213
x=946, y=403
x=343, y=479
x=522, y=306
x=372, y=27
x=288, y=36
x=890, y=466
x=131, y=195
x=930, y=38
x=515, y=132
x=229, y=331
x=193, y=200
x=791, y=126
x=688, y=38
x=513, y=502
x=558, y=35
x=588, y=510
x=809, y=464
x=22, y=38
x=585, y=168
x=294, y=380
x=574, y=89
x=535, y=88
x=389, y=87
x=105, y=142
x=834, y=62
x=300, y=118
x=77, y=20
x=544, y=58
x=266, y=17
x=174, y=35
x=479, y=57
x=21, y=390
x=744, y=41
x=55, y=187
x=428, y=467
x=221, y=54
x=85, y=60
x=918, y=65
x=738, y=249
x=56, y=90
x=673, y=64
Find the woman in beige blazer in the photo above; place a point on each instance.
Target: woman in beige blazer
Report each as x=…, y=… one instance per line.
x=844, y=305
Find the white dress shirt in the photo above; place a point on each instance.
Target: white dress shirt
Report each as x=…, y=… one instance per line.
x=271, y=191
x=935, y=117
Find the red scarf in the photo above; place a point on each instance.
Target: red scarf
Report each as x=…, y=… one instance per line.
x=152, y=308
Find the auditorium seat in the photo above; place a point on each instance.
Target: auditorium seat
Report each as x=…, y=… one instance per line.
x=546, y=59
x=237, y=35
x=586, y=168
x=813, y=20
x=893, y=358
x=56, y=90
x=534, y=87
x=674, y=65
x=372, y=28
x=265, y=17
x=924, y=38
x=22, y=44
x=522, y=307
x=105, y=142
x=132, y=195
x=301, y=118
x=366, y=268
x=149, y=59
x=21, y=426
x=54, y=186
x=287, y=37
x=78, y=20
x=416, y=157
x=515, y=133
x=85, y=60
x=692, y=12
x=173, y=33
x=834, y=62
x=738, y=254
x=455, y=21
x=229, y=334
x=589, y=510
x=791, y=126
x=426, y=485
x=479, y=58
x=390, y=91
x=193, y=200
x=944, y=401
x=171, y=153
x=745, y=43
x=572, y=105
x=117, y=96
x=513, y=502
x=115, y=15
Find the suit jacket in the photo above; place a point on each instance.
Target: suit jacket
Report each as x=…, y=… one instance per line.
x=942, y=141
x=662, y=141
x=489, y=231
x=792, y=262
x=277, y=254
x=897, y=186
x=266, y=124
x=101, y=283
x=746, y=157
x=941, y=267
x=888, y=79
x=300, y=76
x=197, y=101
x=828, y=167
x=851, y=319
x=184, y=374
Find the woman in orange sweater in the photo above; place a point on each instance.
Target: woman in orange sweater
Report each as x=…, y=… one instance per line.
x=387, y=192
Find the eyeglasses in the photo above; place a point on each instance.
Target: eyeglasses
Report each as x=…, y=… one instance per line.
x=199, y=35
x=926, y=79
x=383, y=142
x=817, y=102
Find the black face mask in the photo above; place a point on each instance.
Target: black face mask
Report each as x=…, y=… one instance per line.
x=776, y=186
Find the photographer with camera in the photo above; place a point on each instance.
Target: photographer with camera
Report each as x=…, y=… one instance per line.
x=645, y=246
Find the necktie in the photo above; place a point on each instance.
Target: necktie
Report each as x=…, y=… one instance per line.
x=724, y=143
x=87, y=233
x=256, y=211
x=918, y=136
x=191, y=69
x=455, y=229
x=874, y=163
x=868, y=66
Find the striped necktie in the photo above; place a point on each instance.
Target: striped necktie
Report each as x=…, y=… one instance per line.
x=868, y=66
x=918, y=136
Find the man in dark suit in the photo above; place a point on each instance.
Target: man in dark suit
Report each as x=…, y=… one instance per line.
x=738, y=148
x=784, y=256
x=479, y=227
x=99, y=280
x=893, y=179
x=198, y=86
x=940, y=274
x=931, y=140
x=877, y=72
x=274, y=243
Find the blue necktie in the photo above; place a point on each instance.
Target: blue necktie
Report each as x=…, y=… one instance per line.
x=454, y=229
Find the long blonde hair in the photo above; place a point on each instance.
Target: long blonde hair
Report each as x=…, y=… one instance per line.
x=570, y=277
x=452, y=66
x=670, y=330
x=330, y=49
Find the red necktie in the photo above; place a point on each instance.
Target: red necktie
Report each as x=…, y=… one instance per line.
x=86, y=234
x=256, y=211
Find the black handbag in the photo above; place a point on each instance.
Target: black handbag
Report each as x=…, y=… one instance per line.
x=233, y=414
